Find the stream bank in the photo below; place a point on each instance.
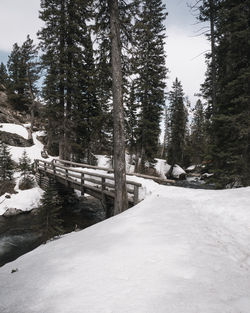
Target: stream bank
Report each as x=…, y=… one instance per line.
x=19, y=234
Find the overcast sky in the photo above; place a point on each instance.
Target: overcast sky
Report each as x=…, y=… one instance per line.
x=20, y=17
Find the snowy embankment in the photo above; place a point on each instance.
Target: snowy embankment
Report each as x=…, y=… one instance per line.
x=24, y=200
x=180, y=250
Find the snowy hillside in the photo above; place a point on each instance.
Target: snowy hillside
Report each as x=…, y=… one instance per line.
x=178, y=251
x=24, y=200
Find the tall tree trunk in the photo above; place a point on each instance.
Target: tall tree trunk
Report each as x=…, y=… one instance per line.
x=121, y=197
x=212, y=30
x=62, y=81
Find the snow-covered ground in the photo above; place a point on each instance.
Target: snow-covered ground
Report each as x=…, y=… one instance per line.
x=178, y=251
x=14, y=129
x=24, y=200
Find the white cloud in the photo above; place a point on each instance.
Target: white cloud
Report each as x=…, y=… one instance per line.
x=18, y=18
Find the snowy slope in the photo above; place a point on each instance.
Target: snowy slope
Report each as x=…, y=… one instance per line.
x=178, y=251
x=24, y=200
x=33, y=152
x=14, y=129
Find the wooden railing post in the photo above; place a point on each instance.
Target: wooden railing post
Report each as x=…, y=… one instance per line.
x=103, y=184
x=82, y=183
x=82, y=179
x=136, y=194
x=53, y=168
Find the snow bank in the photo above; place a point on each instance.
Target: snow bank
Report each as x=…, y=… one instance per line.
x=162, y=167
x=178, y=251
x=24, y=200
x=33, y=152
x=103, y=160
x=14, y=129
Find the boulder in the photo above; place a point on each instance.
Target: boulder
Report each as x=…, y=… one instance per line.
x=14, y=139
x=12, y=212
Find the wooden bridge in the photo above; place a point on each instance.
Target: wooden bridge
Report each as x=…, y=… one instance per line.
x=76, y=176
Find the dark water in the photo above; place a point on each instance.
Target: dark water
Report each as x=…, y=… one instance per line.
x=22, y=233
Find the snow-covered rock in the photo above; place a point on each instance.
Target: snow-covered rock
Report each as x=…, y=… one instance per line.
x=24, y=200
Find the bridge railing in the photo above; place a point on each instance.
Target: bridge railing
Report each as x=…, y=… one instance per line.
x=102, y=183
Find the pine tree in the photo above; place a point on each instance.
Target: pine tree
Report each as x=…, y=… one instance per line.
x=127, y=11
x=51, y=205
x=27, y=180
x=231, y=123
x=132, y=120
x=25, y=165
x=3, y=77
x=68, y=86
x=149, y=62
x=229, y=118
x=6, y=164
x=16, y=70
x=23, y=76
x=178, y=121
x=198, y=134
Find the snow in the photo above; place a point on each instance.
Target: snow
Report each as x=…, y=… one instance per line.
x=14, y=129
x=177, y=171
x=162, y=167
x=33, y=152
x=24, y=200
x=180, y=250
x=103, y=161
x=191, y=168
x=148, y=185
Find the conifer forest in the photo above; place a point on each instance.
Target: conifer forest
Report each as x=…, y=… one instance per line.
x=71, y=72
x=124, y=156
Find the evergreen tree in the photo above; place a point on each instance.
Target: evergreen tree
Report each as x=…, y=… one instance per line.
x=27, y=180
x=229, y=117
x=6, y=164
x=51, y=205
x=231, y=122
x=132, y=120
x=149, y=64
x=16, y=70
x=178, y=122
x=127, y=11
x=198, y=134
x=3, y=77
x=23, y=75
x=25, y=165
x=68, y=86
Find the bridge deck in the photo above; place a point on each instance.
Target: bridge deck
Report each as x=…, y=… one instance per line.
x=95, y=184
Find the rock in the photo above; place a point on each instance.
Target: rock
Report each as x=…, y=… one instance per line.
x=14, y=140
x=14, y=270
x=12, y=212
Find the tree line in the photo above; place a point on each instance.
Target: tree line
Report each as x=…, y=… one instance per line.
x=75, y=61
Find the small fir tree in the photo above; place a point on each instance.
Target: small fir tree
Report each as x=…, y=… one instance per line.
x=25, y=167
x=3, y=77
x=6, y=164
